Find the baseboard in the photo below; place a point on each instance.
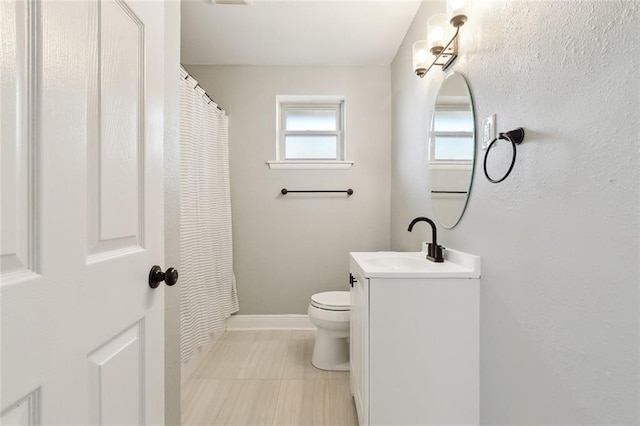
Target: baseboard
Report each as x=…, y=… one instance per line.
x=269, y=322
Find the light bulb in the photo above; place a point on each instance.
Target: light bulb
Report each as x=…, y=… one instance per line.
x=457, y=6
x=420, y=57
x=436, y=33
x=457, y=10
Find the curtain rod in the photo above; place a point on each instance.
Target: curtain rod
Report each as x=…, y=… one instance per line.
x=187, y=75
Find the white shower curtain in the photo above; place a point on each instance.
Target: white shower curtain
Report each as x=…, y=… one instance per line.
x=207, y=282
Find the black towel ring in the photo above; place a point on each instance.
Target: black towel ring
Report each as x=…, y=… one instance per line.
x=516, y=137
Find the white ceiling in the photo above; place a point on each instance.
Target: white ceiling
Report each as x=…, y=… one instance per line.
x=295, y=32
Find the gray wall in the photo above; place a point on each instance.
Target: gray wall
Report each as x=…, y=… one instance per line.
x=287, y=248
x=172, y=210
x=559, y=237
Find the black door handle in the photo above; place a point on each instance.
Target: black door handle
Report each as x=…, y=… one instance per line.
x=156, y=276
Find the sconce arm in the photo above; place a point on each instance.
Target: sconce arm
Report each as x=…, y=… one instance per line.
x=453, y=55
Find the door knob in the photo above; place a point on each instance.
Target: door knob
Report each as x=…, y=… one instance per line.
x=156, y=276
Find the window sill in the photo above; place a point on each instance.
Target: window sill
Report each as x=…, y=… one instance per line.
x=310, y=165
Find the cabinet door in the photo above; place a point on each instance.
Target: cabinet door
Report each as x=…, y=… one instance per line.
x=424, y=352
x=359, y=347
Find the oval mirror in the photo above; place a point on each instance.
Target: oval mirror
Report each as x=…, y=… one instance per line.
x=452, y=150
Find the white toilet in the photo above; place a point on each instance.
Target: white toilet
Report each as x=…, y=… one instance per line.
x=330, y=312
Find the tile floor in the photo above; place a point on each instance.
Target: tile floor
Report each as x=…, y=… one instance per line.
x=266, y=378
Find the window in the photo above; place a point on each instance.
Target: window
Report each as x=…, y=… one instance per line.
x=310, y=133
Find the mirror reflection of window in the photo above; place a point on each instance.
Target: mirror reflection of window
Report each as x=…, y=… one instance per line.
x=454, y=119
x=452, y=133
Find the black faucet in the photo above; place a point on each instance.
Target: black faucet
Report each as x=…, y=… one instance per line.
x=434, y=251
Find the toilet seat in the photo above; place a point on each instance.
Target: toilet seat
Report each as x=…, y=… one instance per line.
x=332, y=300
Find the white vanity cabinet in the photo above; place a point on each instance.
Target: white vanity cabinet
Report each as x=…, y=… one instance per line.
x=415, y=339
x=359, y=344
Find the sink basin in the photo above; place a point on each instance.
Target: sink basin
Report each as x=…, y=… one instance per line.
x=391, y=264
x=401, y=262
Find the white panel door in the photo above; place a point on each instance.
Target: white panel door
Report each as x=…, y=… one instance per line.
x=81, y=106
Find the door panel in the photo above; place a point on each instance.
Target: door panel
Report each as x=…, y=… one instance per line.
x=116, y=379
x=17, y=239
x=24, y=412
x=116, y=129
x=82, y=134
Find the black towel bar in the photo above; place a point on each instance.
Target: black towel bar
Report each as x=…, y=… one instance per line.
x=285, y=191
x=448, y=192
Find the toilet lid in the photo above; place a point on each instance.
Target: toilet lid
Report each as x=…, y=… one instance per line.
x=332, y=300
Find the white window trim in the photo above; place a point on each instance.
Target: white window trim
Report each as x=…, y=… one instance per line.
x=310, y=101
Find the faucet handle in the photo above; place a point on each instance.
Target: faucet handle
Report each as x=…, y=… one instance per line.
x=435, y=253
x=429, y=249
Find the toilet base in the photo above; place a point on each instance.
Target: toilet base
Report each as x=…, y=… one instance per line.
x=330, y=352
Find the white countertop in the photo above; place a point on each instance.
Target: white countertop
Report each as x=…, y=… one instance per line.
x=391, y=264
